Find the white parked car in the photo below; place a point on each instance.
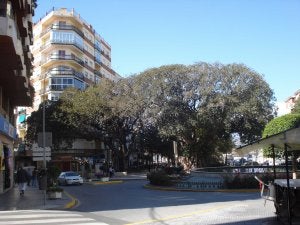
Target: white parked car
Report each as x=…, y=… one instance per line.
x=69, y=177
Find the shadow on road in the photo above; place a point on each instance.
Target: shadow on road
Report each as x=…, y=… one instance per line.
x=132, y=195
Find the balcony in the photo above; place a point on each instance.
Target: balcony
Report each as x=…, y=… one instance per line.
x=54, y=57
x=97, y=60
x=98, y=73
x=63, y=72
x=62, y=27
x=105, y=55
x=97, y=48
x=61, y=42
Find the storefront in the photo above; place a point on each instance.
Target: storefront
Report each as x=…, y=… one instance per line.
x=7, y=138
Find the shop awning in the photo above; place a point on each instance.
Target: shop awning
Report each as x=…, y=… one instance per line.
x=290, y=138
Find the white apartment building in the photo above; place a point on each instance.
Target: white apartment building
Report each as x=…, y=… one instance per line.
x=291, y=101
x=67, y=52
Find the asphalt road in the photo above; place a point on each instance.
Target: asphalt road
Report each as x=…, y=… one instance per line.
x=131, y=204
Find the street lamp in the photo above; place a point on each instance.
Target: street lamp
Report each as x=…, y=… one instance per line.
x=44, y=139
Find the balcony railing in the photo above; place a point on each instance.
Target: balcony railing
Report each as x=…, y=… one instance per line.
x=55, y=87
x=62, y=72
x=62, y=27
x=62, y=42
x=106, y=55
x=63, y=57
x=98, y=73
x=97, y=48
x=97, y=60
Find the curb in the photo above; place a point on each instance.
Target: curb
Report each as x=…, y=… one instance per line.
x=106, y=182
x=72, y=203
x=160, y=188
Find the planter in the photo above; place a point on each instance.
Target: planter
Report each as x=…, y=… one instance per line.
x=54, y=195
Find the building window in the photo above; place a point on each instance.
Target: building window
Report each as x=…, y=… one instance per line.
x=62, y=53
x=61, y=83
x=97, y=56
x=67, y=37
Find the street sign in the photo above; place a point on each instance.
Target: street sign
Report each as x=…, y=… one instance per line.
x=41, y=158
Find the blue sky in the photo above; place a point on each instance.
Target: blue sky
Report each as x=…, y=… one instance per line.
x=264, y=35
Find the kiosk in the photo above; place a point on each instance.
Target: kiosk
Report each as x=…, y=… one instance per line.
x=287, y=191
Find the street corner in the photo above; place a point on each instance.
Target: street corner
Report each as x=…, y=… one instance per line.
x=72, y=203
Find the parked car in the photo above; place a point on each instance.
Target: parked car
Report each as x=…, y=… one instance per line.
x=69, y=177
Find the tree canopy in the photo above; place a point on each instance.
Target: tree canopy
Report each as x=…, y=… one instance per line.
x=200, y=106
x=277, y=125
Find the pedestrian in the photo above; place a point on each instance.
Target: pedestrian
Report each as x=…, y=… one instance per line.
x=22, y=179
x=34, y=177
x=111, y=171
x=29, y=172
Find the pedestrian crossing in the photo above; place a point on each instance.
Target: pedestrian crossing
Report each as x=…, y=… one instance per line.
x=45, y=217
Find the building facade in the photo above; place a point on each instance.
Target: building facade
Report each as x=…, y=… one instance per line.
x=16, y=36
x=291, y=101
x=67, y=52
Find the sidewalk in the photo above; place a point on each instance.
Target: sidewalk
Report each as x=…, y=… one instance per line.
x=33, y=199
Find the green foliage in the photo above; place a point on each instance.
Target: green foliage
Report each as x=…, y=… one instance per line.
x=159, y=178
x=174, y=170
x=199, y=106
x=56, y=121
x=52, y=174
x=278, y=125
x=281, y=124
x=54, y=189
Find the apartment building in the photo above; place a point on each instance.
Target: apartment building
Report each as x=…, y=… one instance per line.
x=15, y=70
x=291, y=101
x=68, y=52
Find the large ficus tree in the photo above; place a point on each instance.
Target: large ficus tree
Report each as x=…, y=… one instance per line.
x=63, y=133
x=202, y=105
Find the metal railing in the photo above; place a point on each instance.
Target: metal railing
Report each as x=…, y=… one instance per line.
x=62, y=27
x=63, y=57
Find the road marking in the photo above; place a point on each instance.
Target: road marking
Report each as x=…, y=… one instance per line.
x=107, y=182
x=47, y=221
x=180, y=216
x=39, y=217
x=92, y=223
x=74, y=201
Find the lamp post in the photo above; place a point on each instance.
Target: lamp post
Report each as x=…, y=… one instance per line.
x=44, y=139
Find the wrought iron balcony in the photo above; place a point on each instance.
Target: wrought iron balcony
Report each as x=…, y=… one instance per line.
x=62, y=27
x=71, y=72
x=63, y=57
